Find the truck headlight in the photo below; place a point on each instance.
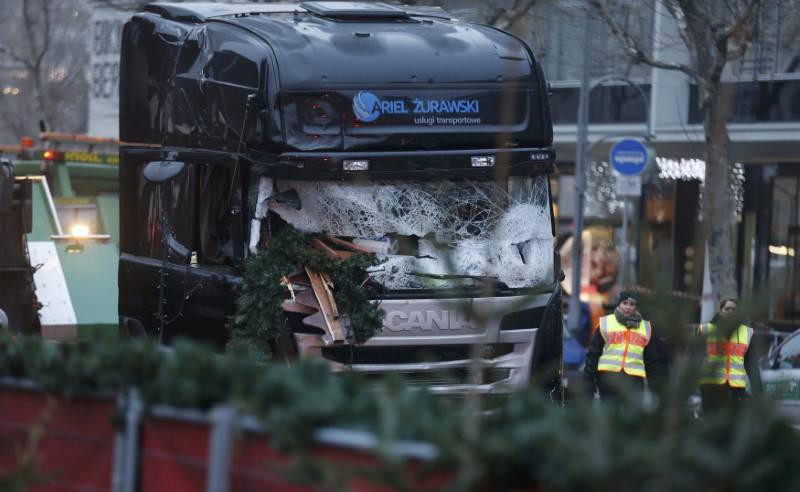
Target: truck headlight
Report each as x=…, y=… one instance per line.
x=482, y=161
x=355, y=165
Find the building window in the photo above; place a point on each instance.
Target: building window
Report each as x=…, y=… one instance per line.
x=784, y=243
x=756, y=101
x=776, y=51
x=557, y=39
x=607, y=104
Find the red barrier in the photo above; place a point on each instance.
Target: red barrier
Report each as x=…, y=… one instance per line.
x=257, y=467
x=174, y=455
x=76, y=449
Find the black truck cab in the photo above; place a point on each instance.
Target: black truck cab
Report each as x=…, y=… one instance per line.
x=398, y=128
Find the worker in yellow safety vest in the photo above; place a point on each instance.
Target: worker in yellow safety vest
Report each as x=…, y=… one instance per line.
x=624, y=352
x=728, y=361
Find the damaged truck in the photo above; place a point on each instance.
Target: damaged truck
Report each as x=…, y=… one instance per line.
x=398, y=131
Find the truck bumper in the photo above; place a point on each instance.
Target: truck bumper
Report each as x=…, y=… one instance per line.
x=452, y=346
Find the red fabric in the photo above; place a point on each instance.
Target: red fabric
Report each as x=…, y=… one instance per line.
x=77, y=447
x=174, y=455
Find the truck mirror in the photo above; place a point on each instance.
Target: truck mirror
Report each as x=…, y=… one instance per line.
x=158, y=172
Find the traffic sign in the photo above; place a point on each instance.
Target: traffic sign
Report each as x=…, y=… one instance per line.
x=629, y=157
x=629, y=185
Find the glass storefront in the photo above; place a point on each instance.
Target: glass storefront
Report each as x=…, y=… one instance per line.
x=784, y=242
x=666, y=239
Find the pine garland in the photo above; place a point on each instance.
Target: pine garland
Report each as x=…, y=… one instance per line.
x=526, y=444
x=260, y=317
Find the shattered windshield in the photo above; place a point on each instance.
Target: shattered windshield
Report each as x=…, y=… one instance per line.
x=430, y=232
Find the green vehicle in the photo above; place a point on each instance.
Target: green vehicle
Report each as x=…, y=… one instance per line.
x=61, y=237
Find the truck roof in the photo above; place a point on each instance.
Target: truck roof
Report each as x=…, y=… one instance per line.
x=198, y=12
x=330, y=43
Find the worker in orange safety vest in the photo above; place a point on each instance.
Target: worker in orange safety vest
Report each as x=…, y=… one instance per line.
x=728, y=359
x=624, y=352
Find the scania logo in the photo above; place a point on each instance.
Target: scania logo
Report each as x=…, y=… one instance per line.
x=399, y=321
x=366, y=106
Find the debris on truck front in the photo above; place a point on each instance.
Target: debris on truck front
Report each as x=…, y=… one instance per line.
x=297, y=274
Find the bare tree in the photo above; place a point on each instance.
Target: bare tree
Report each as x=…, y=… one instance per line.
x=36, y=42
x=505, y=17
x=42, y=44
x=717, y=35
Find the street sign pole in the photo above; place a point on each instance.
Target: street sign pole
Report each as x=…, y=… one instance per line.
x=623, y=250
x=574, y=313
x=628, y=157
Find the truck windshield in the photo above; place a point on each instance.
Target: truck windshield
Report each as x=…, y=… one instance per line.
x=434, y=234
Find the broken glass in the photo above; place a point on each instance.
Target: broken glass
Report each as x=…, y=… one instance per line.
x=473, y=228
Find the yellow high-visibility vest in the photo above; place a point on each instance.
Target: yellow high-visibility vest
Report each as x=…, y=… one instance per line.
x=624, y=347
x=724, y=363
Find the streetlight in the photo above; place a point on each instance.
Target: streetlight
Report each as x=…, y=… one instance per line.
x=580, y=175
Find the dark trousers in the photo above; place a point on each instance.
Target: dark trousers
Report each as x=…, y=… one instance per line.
x=614, y=386
x=718, y=396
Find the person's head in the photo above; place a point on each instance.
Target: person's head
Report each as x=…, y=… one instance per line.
x=627, y=303
x=727, y=306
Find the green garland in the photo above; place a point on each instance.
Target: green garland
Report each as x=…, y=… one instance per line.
x=260, y=317
x=526, y=444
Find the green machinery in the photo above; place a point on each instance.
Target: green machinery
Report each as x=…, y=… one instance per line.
x=72, y=240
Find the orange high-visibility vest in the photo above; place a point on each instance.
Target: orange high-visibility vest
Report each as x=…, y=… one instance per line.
x=624, y=347
x=724, y=362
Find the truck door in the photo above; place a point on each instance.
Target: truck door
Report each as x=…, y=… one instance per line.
x=202, y=261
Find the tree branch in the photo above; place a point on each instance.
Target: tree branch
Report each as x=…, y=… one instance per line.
x=631, y=47
x=504, y=18
x=12, y=54
x=45, y=34
x=747, y=18
x=28, y=22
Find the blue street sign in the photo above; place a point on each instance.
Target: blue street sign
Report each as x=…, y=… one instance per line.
x=629, y=157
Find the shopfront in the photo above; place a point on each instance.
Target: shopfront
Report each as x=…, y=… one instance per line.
x=770, y=242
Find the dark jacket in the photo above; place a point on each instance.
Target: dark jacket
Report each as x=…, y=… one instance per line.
x=656, y=361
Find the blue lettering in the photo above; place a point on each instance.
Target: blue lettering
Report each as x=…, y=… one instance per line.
x=421, y=106
x=400, y=107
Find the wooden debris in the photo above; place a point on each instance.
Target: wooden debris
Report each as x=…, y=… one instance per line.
x=349, y=245
x=316, y=320
x=318, y=301
x=321, y=283
x=307, y=298
x=300, y=278
x=285, y=281
x=295, y=307
x=329, y=252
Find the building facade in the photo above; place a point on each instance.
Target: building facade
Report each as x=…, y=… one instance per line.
x=666, y=239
